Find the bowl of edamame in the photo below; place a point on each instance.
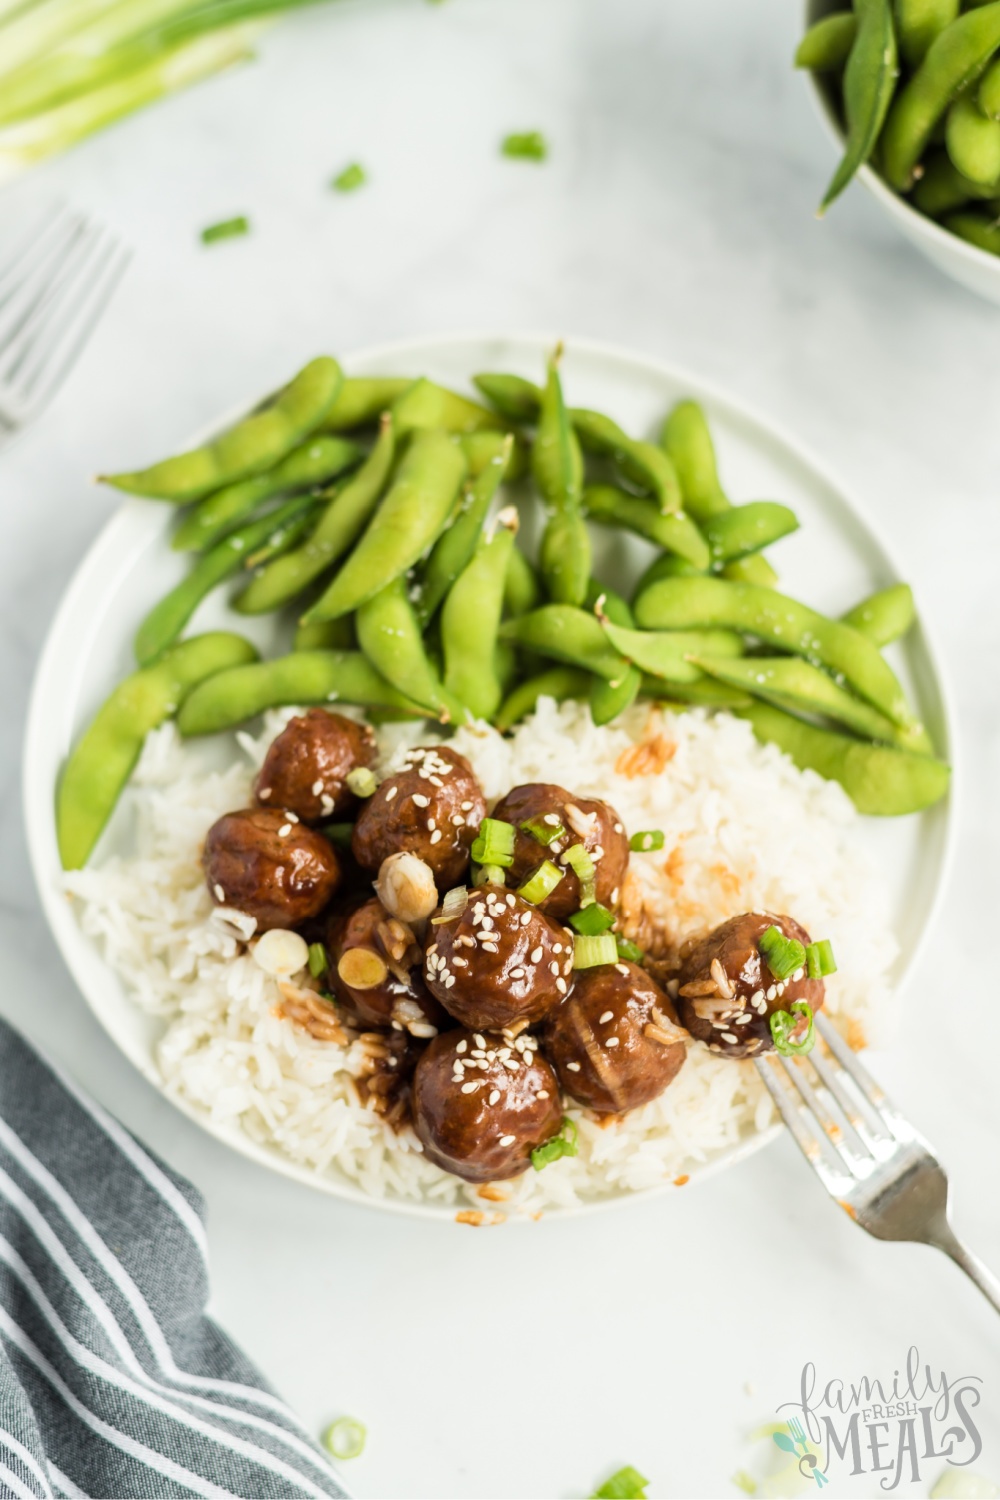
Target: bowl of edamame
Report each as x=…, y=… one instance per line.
x=910, y=95
x=550, y=560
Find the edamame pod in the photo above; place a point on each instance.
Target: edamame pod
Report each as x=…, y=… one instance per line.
x=328, y=635
x=427, y=404
x=565, y=555
x=697, y=603
x=557, y=465
x=794, y=684
x=241, y=693
x=942, y=188
x=753, y=569
x=569, y=634
x=827, y=44
x=168, y=617
x=976, y=229
x=973, y=142
x=363, y=399
x=668, y=653
x=254, y=445
x=516, y=399
x=408, y=520
x=389, y=635
x=706, y=693
x=918, y=22
x=869, y=83
x=456, y=546
x=644, y=464
x=470, y=621
x=609, y=699
x=348, y=510
x=988, y=96
x=522, y=590
x=103, y=759
x=481, y=449
x=687, y=440
x=667, y=565
x=743, y=529
x=609, y=506
x=955, y=59
x=880, y=781
x=884, y=617
x=559, y=683
x=317, y=461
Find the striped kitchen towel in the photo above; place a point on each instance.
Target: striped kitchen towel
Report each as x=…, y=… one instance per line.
x=113, y=1382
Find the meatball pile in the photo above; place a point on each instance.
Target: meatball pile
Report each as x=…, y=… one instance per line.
x=476, y=986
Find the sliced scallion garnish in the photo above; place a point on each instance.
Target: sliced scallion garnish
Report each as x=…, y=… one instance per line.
x=820, y=960
x=494, y=844
x=345, y=1438
x=541, y=884
x=226, y=229
x=783, y=955
x=784, y=1026
x=630, y=952
x=350, y=178
x=590, y=952
x=488, y=875
x=525, y=145
x=361, y=781
x=592, y=920
x=627, y=1484
x=338, y=833
x=318, y=961
x=542, y=832
x=644, y=843
x=563, y=1144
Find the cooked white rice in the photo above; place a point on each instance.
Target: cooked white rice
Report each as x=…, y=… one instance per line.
x=743, y=829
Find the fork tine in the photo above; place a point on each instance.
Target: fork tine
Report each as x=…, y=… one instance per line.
x=872, y=1093
x=797, y=1117
x=833, y=1078
x=29, y=297
x=28, y=247
x=796, y=1070
x=55, y=366
x=65, y=299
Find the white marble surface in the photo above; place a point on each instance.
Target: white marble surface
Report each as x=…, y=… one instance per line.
x=674, y=216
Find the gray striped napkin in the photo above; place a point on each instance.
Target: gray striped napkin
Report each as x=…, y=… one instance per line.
x=113, y=1382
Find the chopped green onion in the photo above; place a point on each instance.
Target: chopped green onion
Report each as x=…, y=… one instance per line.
x=592, y=920
x=585, y=871
x=495, y=843
x=590, y=952
x=745, y=1482
x=783, y=954
x=361, y=781
x=488, y=875
x=563, y=1144
x=318, y=962
x=642, y=843
x=784, y=1026
x=226, y=229
x=820, y=960
x=527, y=145
x=350, y=179
x=630, y=952
x=543, y=832
x=627, y=1484
x=345, y=1438
x=541, y=884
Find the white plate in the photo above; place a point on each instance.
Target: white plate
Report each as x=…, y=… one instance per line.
x=835, y=560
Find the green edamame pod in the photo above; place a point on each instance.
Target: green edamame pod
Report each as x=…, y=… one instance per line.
x=409, y=519
x=316, y=461
x=505, y=666
x=168, y=617
x=328, y=635
x=973, y=142
x=697, y=603
x=516, y=399
x=884, y=617
x=426, y=404
x=644, y=464
x=564, y=556
x=955, y=59
x=869, y=83
x=481, y=449
x=389, y=635
x=687, y=440
x=706, y=693
x=103, y=759
x=348, y=510
x=254, y=445
x=669, y=653
x=880, y=781
x=796, y=685
x=609, y=699
x=667, y=565
x=557, y=465
x=942, y=188
x=241, y=693
x=559, y=683
x=977, y=229
x=753, y=569
x=827, y=44
x=570, y=635
x=363, y=399
x=988, y=97
x=675, y=533
x=470, y=621
x=744, y=529
x=918, y=22
x=522, y=590
x=456, y=546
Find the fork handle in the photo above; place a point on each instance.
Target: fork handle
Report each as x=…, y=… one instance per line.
x=973, y=1267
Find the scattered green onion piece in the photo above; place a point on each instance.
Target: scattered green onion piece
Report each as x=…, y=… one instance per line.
x=590, y=952
x=630, y=952
x=783, y=954
x=784, y=1025
x=338, y=833
x=542, y=832
x=494, y=844
x=541, y=884
x=361, y=781
x=820, y=960
x=345, y=1438
x=580, y=863
x=643, y=843
x=488, y=875
x=592, y=920
x=745, y=1482
x=318, y=962
x=226, y=229
x=350, y=179
x=563, y=1144
x=526, y=145
x=627, y=1484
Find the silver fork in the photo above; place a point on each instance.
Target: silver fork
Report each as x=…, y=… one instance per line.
x=868, y=1157
x=54, y=286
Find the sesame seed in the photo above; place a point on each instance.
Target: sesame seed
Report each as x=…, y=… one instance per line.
x=468, y=806
x=516, y=974
x=536, y=955
x=495, y=1097
x=317, y=786
x=772, y=993
x=292, y=817
x=449, y=981
x=457, y=821
x=608, y=1015
x=614, y=896
x=326, y=804
x=479, y=1040
x=553, y=967
x=619, y=828
x=462, y=1046
x=460, y=963
x=435, y=781
x=391, y=793
x=728, y=1036
x=478, y=1052
x=512, y=1063
x=622, y=969
x=552, y=819
x=490, y=948
x=420, y=800
x=264, y=793
x=525, y=918
x=573, y=1067
x=220, y=894
x=432, y=822
x=436, y=836
x=612, y=1041
x=507, y=1140
x=470, y=1088
x=284, y=830
x=542, y=1094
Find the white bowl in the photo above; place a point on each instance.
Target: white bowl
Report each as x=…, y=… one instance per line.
x=967, y=264
x=88, y=650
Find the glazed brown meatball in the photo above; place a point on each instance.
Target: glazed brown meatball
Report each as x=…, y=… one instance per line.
x=432, y=808
x=727, y=994
x=266, y=863
x=501, y=961
x=615, y=1044
x=477, y=1116
x=393, y=992
x=586, y=821
x=306, y=767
